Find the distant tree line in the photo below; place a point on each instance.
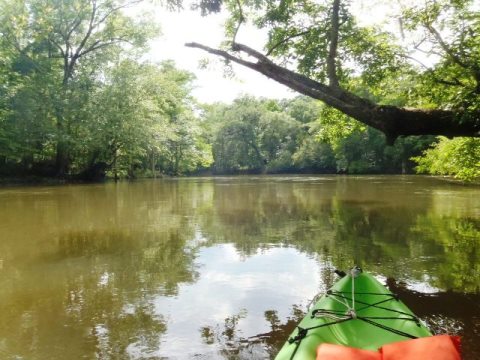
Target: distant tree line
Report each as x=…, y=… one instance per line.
x=301, y=135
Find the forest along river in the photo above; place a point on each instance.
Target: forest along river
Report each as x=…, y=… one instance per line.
x=223, y=268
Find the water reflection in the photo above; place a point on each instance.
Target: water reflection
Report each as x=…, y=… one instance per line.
x=223, y=268
x=228, y=302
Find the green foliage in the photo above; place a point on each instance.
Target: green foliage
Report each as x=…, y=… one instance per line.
x=333, y=126
x=302, y=109
x=71, y=90
x=433, y=56
x=300, y=135
x=430, y=63
x=141, y=118
x=300, y=33
x=257, y=135
x=313, y=155
x=236, y=143
x=450, y=30
x=459, y=157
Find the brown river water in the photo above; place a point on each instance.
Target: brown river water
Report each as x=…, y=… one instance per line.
x=223, y=268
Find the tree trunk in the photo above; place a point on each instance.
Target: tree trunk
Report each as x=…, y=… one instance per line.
x=153, y=166
x=62, y=161
x=177, y=159
x=115, y=171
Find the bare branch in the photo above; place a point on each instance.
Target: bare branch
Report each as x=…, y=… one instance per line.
x=400, y=28
x=445, y=46
x=287, y=39
x=98, y=45
x=416, y=60
x=248, y=50
x=89, y=49
x=454, y=82
x=221, y=53
x=333, y=96
x=115, y=9
x=429, y=52
x=417, y=45
x=57, y=45
x=240, y=21
x=74, y=27
x=91, y=26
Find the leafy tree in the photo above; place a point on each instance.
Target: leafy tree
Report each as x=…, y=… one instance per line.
x=332, y=53
x=185, y=150
x=300, y=135
x=313, y=155
x=302, y=108
x=365, y=151
x=60, y=39
x=253, y=135
x=75, y=101
x=141, y=118
x=360, y=152
x=360, y=149
x=279, y=139
x=235, y=148
x=459, y=157
x=398, y=158
x=236, y=144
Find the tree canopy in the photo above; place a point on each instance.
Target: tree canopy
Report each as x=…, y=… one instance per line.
x=322, y=50
x=77, y=100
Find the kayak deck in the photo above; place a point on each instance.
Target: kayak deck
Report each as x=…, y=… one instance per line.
x=358, y=312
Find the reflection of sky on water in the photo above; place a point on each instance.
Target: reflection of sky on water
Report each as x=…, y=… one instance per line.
x=229, y=284
x=423, y=287
x=414, y=285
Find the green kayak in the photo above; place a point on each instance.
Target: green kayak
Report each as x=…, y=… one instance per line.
x=358, y=312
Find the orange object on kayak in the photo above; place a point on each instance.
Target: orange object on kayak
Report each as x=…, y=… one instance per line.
x=339, y=352
x=440, y=347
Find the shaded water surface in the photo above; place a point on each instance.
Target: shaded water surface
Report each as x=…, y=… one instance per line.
x=223, y=268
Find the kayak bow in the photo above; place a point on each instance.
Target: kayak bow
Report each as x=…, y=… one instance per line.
x=358, y=312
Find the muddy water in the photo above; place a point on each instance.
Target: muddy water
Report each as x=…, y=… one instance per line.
x=223, y=268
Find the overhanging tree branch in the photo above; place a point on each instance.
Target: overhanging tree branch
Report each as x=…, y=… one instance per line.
x=391, y=120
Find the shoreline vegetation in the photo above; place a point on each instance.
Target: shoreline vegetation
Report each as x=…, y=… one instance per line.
x=78, y=101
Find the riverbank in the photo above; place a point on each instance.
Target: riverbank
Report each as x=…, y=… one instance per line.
x=31, y=180
x=453, y=180
x=38, y=180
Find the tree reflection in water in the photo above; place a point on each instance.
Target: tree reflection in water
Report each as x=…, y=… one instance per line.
x=118, y=271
